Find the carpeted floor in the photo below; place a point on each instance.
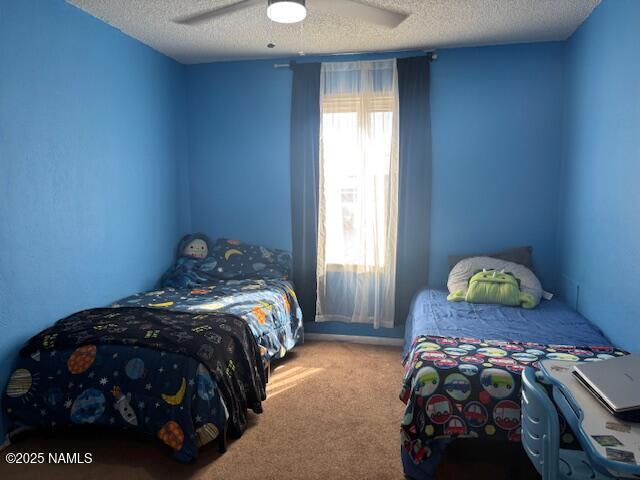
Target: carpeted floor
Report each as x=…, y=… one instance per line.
x=332, y=412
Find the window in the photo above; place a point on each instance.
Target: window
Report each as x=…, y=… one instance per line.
x=356, y=168
x=358, y=197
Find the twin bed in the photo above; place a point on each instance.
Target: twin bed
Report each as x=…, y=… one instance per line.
x=181, y=363
x=463, y=363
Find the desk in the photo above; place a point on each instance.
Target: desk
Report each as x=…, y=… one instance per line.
x=588, y=418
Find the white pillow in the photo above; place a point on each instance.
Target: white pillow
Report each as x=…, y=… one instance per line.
x=465, y=269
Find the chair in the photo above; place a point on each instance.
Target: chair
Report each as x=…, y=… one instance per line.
x=541, y=436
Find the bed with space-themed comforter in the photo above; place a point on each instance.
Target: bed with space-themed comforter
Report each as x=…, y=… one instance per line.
x=269, y=306
x=145, y=377
x=166, y=367
x=462, y=370
x=185, y=378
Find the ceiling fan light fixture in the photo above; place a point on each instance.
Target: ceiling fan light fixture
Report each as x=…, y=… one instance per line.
x=286, y=11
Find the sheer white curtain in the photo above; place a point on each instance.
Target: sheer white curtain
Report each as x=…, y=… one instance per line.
x=358, y=197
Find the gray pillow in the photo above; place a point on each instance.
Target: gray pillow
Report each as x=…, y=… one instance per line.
x=519, y=255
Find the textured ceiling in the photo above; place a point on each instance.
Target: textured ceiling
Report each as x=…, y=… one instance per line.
x=245, y=34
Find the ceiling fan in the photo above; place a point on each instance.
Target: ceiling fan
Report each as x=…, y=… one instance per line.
x=291, y=11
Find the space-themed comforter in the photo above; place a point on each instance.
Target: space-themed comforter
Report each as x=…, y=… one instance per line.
x=181, y=377
x=269, y=306
x=229, y=260
x=465, y=387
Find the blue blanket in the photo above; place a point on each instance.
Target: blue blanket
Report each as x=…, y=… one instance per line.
x=163, y=394
x=269, y=307
x=189, y=272
x=552, y=322
x=228, y=260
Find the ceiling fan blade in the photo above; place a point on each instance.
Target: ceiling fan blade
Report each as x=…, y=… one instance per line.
x=217, y=12
x=362, y=11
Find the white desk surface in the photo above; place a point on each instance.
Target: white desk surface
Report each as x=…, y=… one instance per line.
x=596, y=419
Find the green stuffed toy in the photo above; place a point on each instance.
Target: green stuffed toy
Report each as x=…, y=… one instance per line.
x=491, y=286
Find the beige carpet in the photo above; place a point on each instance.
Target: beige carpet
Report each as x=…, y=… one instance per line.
x=332, y=412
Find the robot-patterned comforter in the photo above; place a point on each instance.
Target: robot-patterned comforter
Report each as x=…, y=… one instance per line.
x=466, y=387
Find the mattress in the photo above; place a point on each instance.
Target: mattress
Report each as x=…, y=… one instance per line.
x=552, y=322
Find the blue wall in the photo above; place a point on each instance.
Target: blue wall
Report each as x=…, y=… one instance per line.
x=496, y=121
x=238, y=116
x=600, y=217
x=92, y=138
x=496, y=114
x=239, y=149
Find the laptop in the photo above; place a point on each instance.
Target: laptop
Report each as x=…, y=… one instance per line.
x=615, y=383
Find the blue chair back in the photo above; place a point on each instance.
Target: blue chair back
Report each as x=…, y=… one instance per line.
x=540, y=428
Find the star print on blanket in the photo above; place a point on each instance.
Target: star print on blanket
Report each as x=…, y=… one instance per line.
x=221, y=342
x=270, y=307
x=466, y=387
x=163, y=395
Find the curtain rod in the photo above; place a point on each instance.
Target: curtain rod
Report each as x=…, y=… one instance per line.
x=431, y=56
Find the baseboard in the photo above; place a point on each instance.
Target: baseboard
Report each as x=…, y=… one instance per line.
x=370, y=340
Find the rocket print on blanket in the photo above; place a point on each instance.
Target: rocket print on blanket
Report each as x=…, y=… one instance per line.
x=119, y=386
x=123, y=405
x=466, y=387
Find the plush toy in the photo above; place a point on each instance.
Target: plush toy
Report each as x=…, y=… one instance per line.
x=194, y=246
x=491, y=286
x=460, y=281
x=192, y=263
